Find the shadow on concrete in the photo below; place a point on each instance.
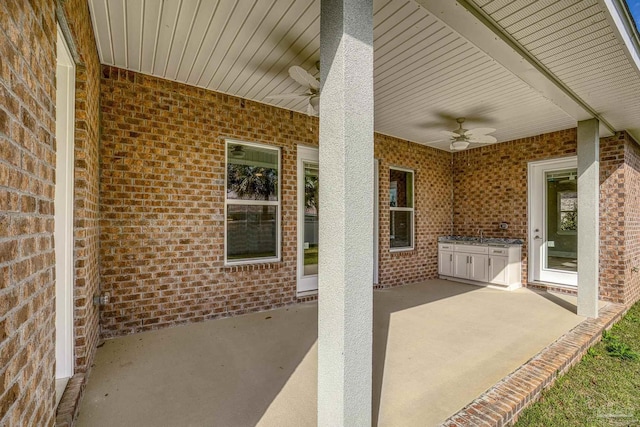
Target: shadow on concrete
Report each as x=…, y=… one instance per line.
x=556, y=299
x=394, y=302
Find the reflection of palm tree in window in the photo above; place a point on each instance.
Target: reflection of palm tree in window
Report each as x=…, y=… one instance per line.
x=252, y=182
x=311, y=193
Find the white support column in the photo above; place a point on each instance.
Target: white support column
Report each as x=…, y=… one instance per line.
x=345, y=306
x=588, y=217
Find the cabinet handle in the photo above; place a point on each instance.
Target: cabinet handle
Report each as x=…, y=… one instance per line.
x=450, y=257
x=489, y=262
x=470, y=260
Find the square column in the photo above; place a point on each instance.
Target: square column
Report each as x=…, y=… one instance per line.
x=588, y=217
x=345, y=271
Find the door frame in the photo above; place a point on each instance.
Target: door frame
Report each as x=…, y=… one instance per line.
x=376, y=225
x=63, y=202
x=305, y=285
x=536, y=216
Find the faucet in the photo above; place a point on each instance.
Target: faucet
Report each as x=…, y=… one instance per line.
x=480, y=233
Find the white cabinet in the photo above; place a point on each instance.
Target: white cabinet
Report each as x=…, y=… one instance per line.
x=498, y=269
x=480, y=264
x=470, y=262
x=470, y=266
x=499, y=266
x=445, y=260
x=461, y=265
x=478, y=268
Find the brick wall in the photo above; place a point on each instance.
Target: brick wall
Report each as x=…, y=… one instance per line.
x=27, y=173
x=632, y=219
x=86, y=184
x=432, y=200
x=162, y=203
x=612, y=241
x=490, y=186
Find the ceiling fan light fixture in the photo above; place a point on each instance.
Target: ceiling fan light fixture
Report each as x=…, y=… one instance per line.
x=237, y=152
x=459, y=144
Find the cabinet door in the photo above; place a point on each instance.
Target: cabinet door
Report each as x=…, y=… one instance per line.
x=445, y=263
x=498, y=271
x=460, y=264
x=478, y=267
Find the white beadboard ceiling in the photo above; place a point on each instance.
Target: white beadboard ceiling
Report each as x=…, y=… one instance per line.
x=424, y=70
x=576, y=42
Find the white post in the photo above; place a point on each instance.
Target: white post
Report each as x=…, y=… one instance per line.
x=345, y=306
x=588, y=217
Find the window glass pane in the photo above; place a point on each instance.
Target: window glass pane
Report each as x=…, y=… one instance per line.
x=401, y=223
x=400, y=189
x=562, y=221
x=311, y=206
x=252, y=173
x=251, y=232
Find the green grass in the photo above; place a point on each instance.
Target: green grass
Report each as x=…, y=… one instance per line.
x=311, y=255
x=602, y=390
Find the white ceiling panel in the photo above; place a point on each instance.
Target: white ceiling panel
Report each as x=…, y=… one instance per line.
x=101, y=29
x=185, y=24
x=424, y=71
x=151, y=13
x=134, y=12
x=575, y=41
x=170, y=13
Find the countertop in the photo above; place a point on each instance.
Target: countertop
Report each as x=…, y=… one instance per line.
x=489, y=241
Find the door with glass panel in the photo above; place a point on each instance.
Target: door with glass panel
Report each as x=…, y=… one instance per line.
x=553, y=228
x=308, y=210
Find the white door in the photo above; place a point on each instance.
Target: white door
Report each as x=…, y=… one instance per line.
x=63, y=202
x=478, y=268
x=445, y=263
x=460, y=265
x=308, y=209
x=498, y=270
x=376, y=226
x=553, y=221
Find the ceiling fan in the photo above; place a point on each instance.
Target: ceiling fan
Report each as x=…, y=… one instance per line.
x=461, y=137
x=311, y=85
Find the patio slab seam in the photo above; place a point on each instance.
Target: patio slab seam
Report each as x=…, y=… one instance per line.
x=501, y=404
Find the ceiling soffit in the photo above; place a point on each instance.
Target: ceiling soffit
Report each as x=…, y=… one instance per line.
x=578, y=42
x=425, y=71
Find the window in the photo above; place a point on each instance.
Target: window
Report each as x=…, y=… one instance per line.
x=567, y=212
x=401, y=209
x=252, y=203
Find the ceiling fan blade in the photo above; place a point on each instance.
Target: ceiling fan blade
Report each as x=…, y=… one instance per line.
x=449, y=133
x=301, y=76
x=444, y=116
x=479, y=131
x=287, y=96
x=482, y=139
x=475, y=115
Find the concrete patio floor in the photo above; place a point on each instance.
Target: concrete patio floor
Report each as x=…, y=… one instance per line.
x=437, y=346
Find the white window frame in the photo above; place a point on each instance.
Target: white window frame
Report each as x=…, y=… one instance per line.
x=277, y=203
x=403, y=209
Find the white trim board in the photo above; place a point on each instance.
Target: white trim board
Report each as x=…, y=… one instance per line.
x=63, y=217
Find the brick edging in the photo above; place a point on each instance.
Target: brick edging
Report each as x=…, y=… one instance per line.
x=502, y=403
x=69, y=405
